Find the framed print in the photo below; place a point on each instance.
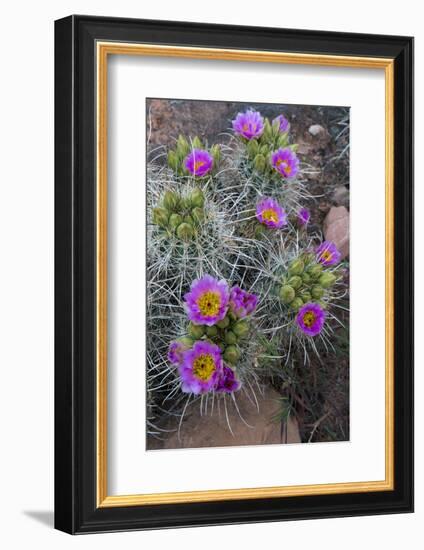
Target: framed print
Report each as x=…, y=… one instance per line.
x=234, y=261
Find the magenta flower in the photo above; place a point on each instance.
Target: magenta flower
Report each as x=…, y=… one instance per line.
x=284, y=124
x=201, y=368
x=327, y=253
x=175, y=352
x=228, y=382
x=242, y=303
x=285, y=162
x=303, y=217
x=207, y=301
x=270, y=213
x=310, y=319
x=199, y=162
x=249, y=124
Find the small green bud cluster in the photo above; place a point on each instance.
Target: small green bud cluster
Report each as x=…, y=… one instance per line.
x=180, y=215
x=227, y=334
x=177, y=156
x=259, y=150
x=306, y=281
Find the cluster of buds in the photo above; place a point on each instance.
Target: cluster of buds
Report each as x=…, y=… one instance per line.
x=306, y=281
x=193, y=158
x=180, y=215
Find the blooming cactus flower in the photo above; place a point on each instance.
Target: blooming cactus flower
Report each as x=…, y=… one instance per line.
x=199, y=162
x=310, y=319
x=270, y=213
x=228, y=382
x=201, y=368
x=284, y=124
x=249, y=124
x=285, y=162
x=327, y=253
x=207, y=301
x=303, y=217
x=176, y=350
x=242, y=303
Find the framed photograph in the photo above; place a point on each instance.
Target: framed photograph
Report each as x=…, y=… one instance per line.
x=234, y=284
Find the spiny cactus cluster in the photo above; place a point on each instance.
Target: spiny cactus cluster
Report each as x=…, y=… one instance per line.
x=237, y=287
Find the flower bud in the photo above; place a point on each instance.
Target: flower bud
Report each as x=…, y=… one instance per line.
x=175, y=220
x=317, y=292
x=306, y=296
x=198, y=215
x=260, y=163
x=216, y=153
x=160, y=216
x=173, y=161
x=287, y=294
x=196, y=331
x=296, y=267
x=306, y=278
x=186, y=341
x=183, y=146
x=170, y=200
x=197, y=198
x=188, y=219
x=264, y=150
x=224, y=322
x=197, y=144
x=295, y=282
x=252, y=148
x=327, y=279
x=283, y=140
x=231, y=354
x=241, y=328
x=296, y=304
x=212, y=331
x=185, y=231
x=230, y=337
x=315, y=270
x=260, y=229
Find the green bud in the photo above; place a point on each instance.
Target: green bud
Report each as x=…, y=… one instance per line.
x=188, y=219
x=296, y=304
x=241, y=328
x=317, y=292
x=295, y=282
x=198, y=215
x=160, y=216
x=282, y=140
x=297, y=267
x=197, y=198
x=306, y=296
x=212, y=331
x=260, y=229
x=306, y=278
x=186, y=341
x=327, y=279
x=224, y=322
x=260, y=162
x=264, y=150
x=221, y=346
x=252, y=148
x=230, y=337
x=173, y=161
x=216, y=153
x=183, y=146
x=315, y=270
x=170, y=200
x=185, y=231
x=287, y=294
x=231, y=354
x=196, y=331
x=196, y=143
x=175, y=220
x=267, y=134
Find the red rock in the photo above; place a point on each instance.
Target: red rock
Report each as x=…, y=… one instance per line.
x=336, y=228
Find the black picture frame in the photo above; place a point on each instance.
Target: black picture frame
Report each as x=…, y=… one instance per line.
x=76, y=510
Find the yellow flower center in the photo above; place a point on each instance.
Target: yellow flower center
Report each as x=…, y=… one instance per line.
x=309, y=318
x=284, y=164
x=204, y=366
x=270, y=215
x=209, y=303
x=198, y=164
x=326, y=255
